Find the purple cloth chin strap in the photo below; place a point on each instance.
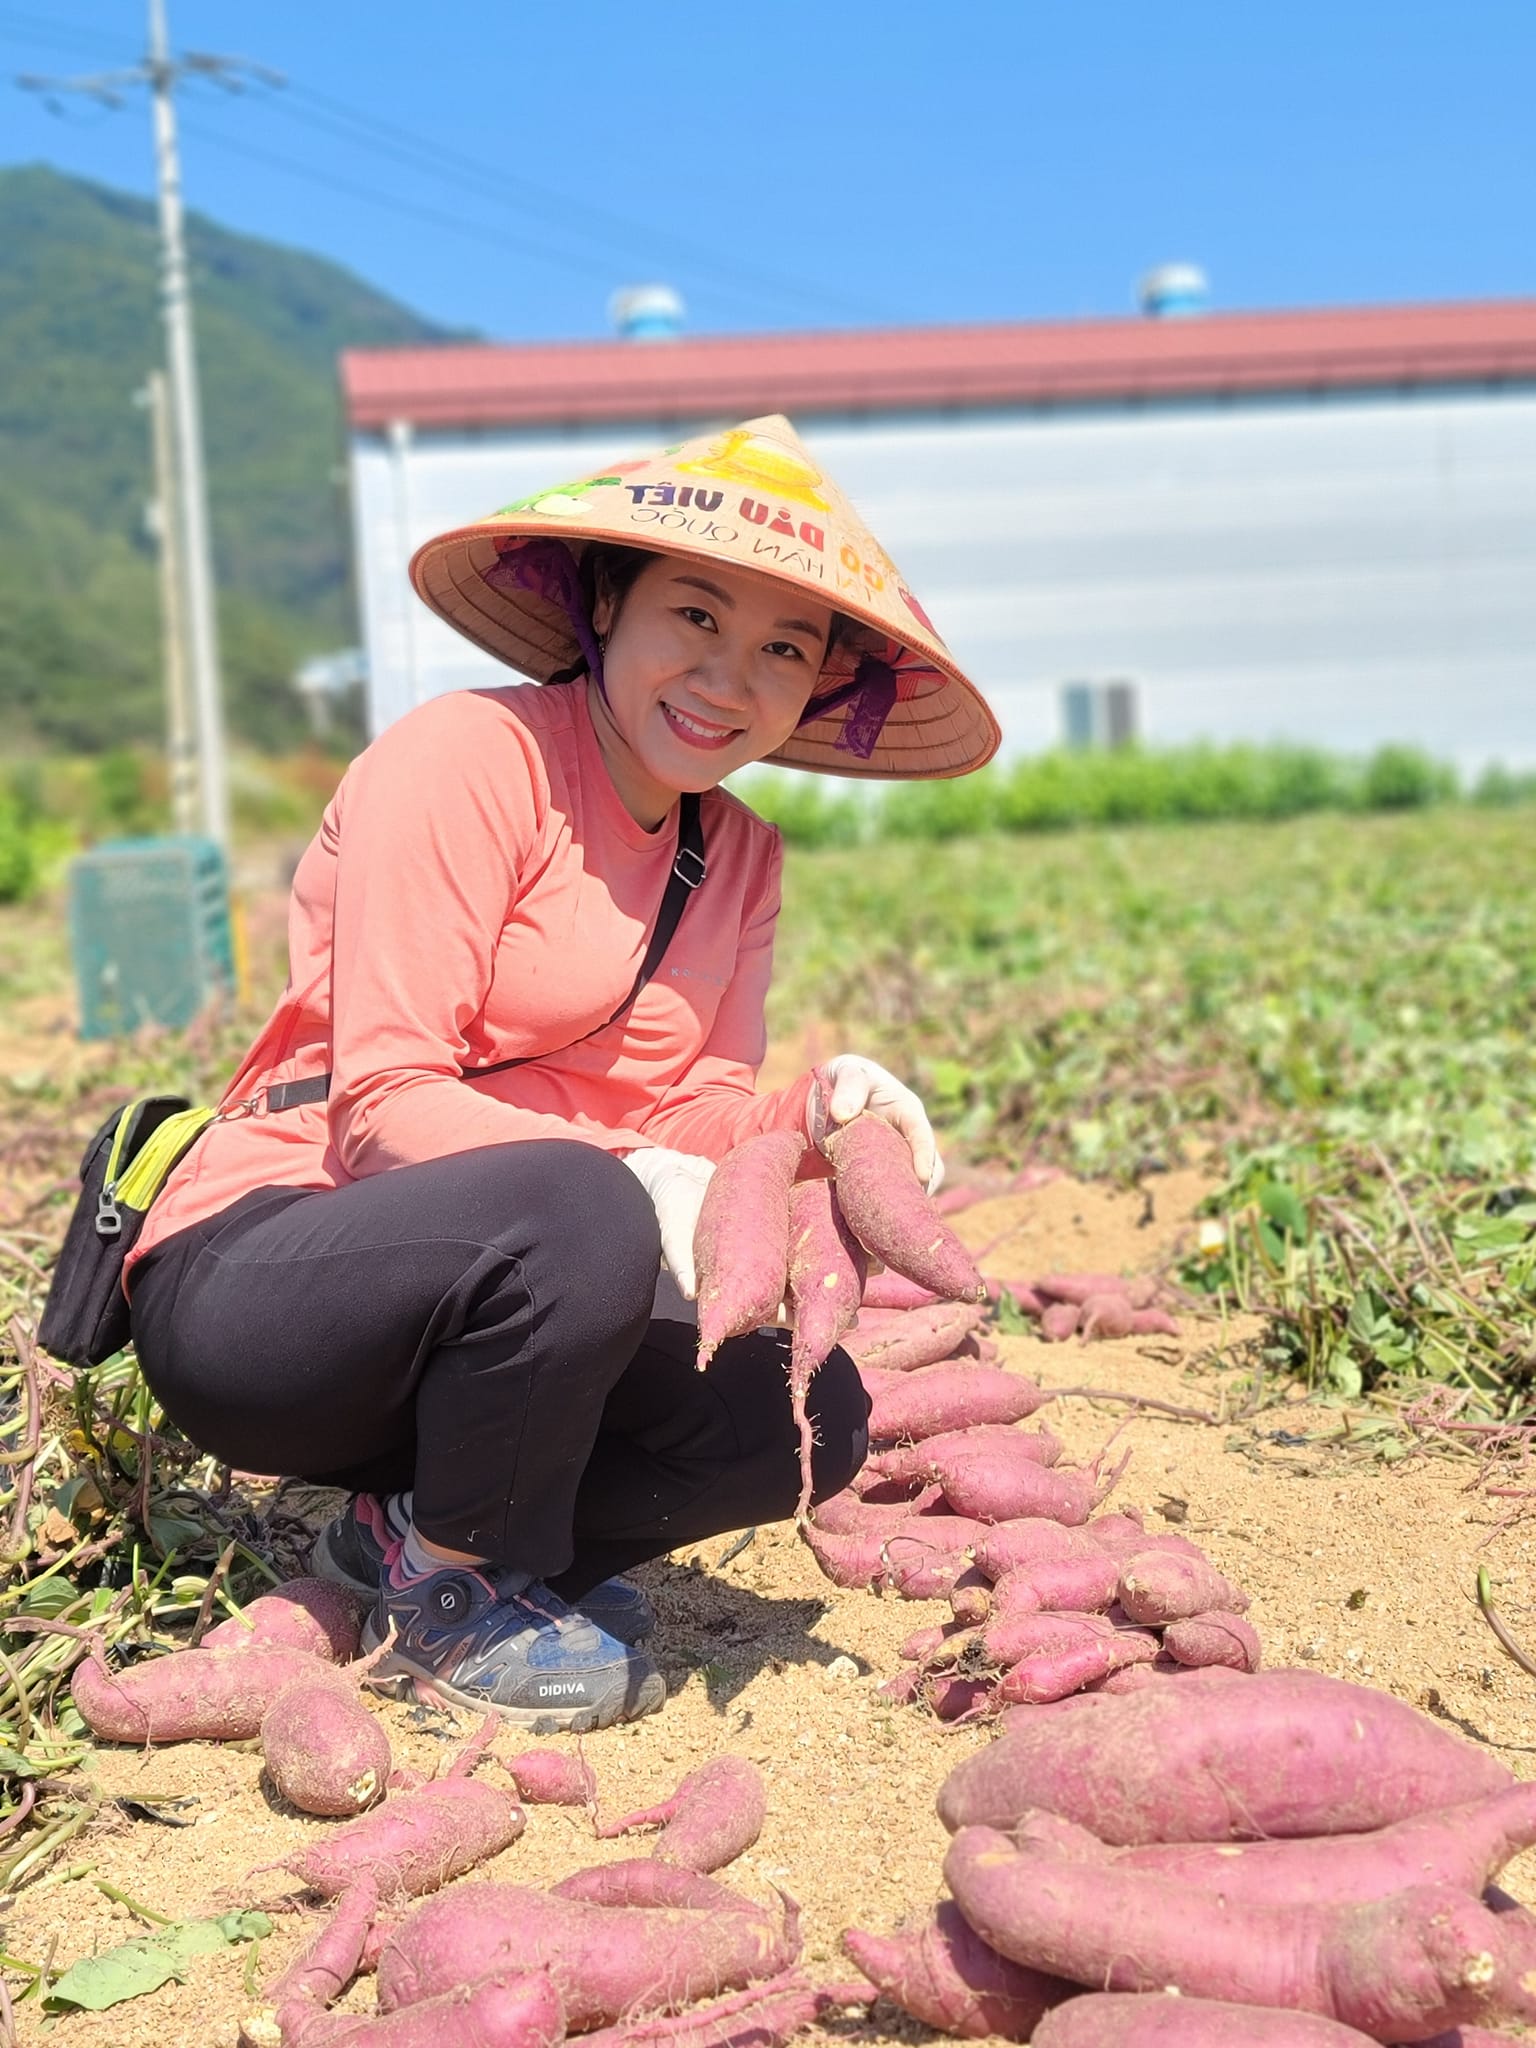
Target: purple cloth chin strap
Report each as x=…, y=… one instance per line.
x=870, y=697
x=546, y=569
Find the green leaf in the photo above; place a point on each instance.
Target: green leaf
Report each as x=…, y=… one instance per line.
x=150, y=1960
x=1344, y=1373
x=1284, y=1208
x=130, y=1971
x=174, y=1532
x=1011, y=1319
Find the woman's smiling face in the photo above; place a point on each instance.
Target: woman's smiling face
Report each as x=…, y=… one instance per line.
x=706, y=669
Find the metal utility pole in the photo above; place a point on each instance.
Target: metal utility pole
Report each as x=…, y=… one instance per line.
x=181, y=745
x=186, y=516
x=186, y=413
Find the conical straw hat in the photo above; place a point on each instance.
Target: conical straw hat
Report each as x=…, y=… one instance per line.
x=893, y=702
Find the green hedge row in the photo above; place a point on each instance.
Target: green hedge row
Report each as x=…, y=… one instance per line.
x=1129, y=786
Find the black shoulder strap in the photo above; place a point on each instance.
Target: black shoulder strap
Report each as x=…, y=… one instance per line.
x=688, y=871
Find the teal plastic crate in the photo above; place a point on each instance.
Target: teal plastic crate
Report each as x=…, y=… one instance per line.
x=149, y=928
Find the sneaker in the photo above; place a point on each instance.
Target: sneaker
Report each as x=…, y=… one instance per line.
x=465, y=1638
x=351, y=1551
x=619, y=1609
x=351, y=1548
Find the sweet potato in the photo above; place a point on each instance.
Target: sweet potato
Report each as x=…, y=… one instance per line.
x=303, y=1614
x=1124, y=1537
x=890, y=1213
x=1465, y=1846
x=826, y=1276
x=324, y=1752
x=1007, y=1641
x=1282, y=1753
x=1050, y=1675
x=1160, y=1586
x=904, y=1689
x=606, y=1960
x=509, y=2009
x=1030, y=1540
x=548, y=1777
x=927, y=1554
x=1061, y=1585
x=319, y=1974
x=944, y=1974
x=970, y=1598
x=893, y=1290
x=886, y=1322
x=920, y=1463
x=849, y=1514
x=741, y=1241
x=715, y=1813
x=855, y=1562
x=1024, y=1297
x=953, y=1698
x=1122, y=1529
x=1162, y=1668
x=1398, y=1969
x=642, y=1881
x=919, y=1337
x=1079, y=1288
x=946, y=1694
x=937, y=1398
x=1058, y=1321
x=193, y=1695
x=1205, y=1639
x=925, y=1645
x=415, y=1842
x=1115, y=2019
x=993, y=1481
x=1105, y=1315
x=764, y=2016
x=1154, y=1322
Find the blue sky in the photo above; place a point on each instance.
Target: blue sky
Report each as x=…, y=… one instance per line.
x=807, y=163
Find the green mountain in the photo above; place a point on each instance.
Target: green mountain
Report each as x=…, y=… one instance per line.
x=79, y=330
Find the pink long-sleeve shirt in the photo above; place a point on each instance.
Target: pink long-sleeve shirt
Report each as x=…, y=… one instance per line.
x=478, y=892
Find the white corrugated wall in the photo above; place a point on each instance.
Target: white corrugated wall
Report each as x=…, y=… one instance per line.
x=1342, y=571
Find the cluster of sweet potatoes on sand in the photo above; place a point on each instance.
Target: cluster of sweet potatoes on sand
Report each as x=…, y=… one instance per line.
x=959, y=1500
x=1298, y=1861
x=652, y=1952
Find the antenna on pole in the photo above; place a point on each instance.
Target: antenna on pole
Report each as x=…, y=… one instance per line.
x=188, y=507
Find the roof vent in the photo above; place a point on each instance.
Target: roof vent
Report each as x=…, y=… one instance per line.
x=647, y=312
x=1174, y=291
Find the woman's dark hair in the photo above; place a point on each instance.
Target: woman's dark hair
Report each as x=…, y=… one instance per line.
x=609, y=569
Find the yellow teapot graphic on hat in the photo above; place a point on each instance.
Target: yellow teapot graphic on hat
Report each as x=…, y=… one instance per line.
x=743, y=457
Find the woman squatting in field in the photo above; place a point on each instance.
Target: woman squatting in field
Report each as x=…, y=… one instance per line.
x=416, y=1257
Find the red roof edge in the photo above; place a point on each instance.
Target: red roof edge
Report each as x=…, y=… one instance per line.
x=941, y=368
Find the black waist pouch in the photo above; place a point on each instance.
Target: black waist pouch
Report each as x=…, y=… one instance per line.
x=85, y=1318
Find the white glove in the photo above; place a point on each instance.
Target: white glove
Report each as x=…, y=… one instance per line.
x=675, y=1182
x=849, y=1084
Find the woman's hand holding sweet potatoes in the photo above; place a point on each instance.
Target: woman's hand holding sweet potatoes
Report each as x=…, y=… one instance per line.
x=675, y=1182
x=848, y=1085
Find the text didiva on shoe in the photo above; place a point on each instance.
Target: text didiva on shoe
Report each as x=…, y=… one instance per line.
x=564, y=1689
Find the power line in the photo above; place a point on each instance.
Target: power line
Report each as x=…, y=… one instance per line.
x=593, y=266
x=440, y=161
x=589, y=265
x=723, y=278
x=41, y=33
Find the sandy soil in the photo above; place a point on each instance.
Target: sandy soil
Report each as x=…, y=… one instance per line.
x=1356, y=1568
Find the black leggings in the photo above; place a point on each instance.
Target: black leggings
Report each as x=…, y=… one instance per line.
x=478, y=1328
